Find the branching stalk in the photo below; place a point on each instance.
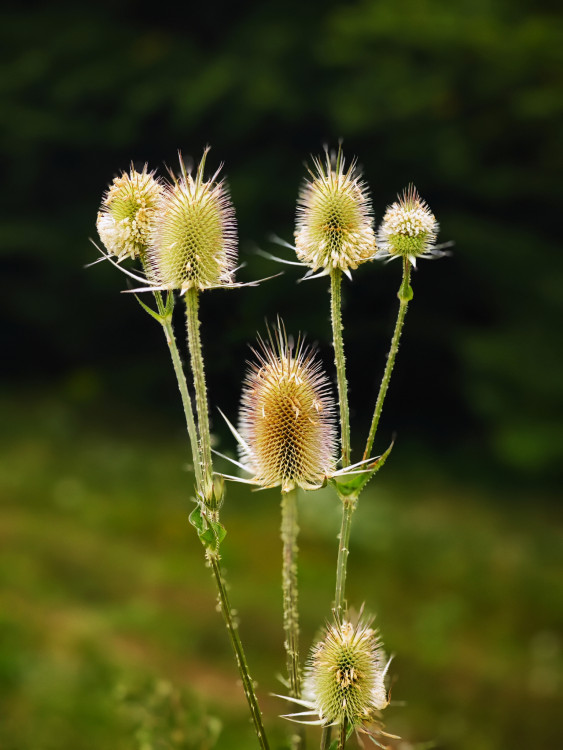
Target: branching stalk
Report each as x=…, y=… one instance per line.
x=232, y=628
x=405, y=295
x=196, y=358
x=339, y=360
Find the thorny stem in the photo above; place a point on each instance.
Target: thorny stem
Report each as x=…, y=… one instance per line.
x=405, y=295
x=325, y=738
x=166, y=322
x=232, y=628
x=342, y=737
x=289, y=532
x=339, y=360
x=196, y=357
x=348, y=507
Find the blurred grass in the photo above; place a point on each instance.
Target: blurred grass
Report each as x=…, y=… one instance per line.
x=107, y=612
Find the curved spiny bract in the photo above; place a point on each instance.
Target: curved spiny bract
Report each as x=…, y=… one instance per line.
x=194, y=243
x=334, y=224
x=287, y=416
x=128, y=213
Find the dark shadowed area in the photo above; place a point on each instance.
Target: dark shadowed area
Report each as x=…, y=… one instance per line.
x=109, y=636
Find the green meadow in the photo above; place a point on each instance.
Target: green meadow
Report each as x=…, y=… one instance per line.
x=109, y=634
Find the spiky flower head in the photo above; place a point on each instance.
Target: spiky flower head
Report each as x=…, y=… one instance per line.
x=409, y=228
x=345, y=675
x=287, y=416
x=128, y=212
x=334, y=226
x=194, y=243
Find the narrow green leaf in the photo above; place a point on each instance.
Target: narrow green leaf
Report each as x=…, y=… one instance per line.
x=148, y=309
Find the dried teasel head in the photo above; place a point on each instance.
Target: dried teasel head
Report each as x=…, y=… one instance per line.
x=409, y=228
x=128, y=213
x=334, y=226
x=287, y=416
x=345, y=676
x=194, y=242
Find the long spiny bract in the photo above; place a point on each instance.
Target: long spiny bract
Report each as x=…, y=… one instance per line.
x=287, y=417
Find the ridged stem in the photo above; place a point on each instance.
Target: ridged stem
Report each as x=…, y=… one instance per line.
x=289, y=533
x=196, y=359
x=405, y=295
x=325, y=738
x=339, y=361
x=232, y=628
x=348, y=507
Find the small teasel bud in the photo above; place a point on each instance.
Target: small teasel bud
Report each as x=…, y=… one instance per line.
x=128, y=212
x=345, y=674
x=334, y=226
x=194, y=244
x=287, y=416
x=409, y=228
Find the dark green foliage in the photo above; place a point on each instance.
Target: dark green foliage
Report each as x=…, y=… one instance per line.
x=464, y=99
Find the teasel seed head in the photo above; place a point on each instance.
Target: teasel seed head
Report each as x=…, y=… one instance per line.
x=409, y=228
x=194, y=243
x=334, y=226
x=345, y=675
x=287, y=416
x=128, y=212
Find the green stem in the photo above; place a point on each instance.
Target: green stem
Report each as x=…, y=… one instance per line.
x=289, y=532
x=405, y=295
x=232, y=628
x=186, y=400
x=196, y=358
x=348, y=508
x=325, y=738
x=342, y=736
x=339, y=360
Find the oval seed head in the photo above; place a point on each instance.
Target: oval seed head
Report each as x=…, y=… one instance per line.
x=128, y=212
x=194, y=244
x=409, y=227
x=287, y=417
x=334, y=227
x=344, y=677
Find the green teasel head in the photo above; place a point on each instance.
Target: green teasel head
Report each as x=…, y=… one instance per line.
x=409, y=228
x=334, y=224
x=194, y=242
x=128, y=213
x=345, y=674
x=287, y=416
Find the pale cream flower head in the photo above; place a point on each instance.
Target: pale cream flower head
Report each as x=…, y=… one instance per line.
x=194, y=242
x=409, y=228
x=128, y=213
x=287, y=417
x=334, y=225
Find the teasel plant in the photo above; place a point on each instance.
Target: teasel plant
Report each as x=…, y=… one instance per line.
x=183, y=232
x=334, y=234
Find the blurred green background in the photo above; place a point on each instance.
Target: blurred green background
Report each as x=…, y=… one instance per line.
x=108, y=634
